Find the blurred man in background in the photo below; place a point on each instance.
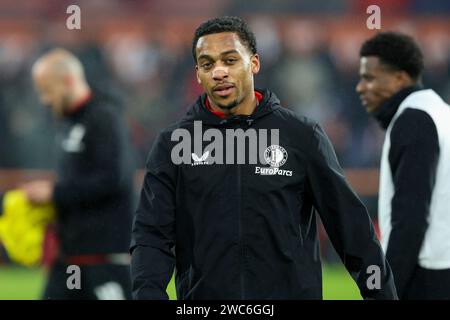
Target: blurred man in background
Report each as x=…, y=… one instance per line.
x=93, y=191
x=243, y=231
x=415, y=166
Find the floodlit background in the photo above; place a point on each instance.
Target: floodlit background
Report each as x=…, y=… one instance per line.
x=138, y=53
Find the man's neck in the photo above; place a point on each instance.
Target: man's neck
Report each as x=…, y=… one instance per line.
x=81, y=98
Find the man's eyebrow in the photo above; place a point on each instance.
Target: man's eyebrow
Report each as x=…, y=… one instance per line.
x=229, y=52
x=205, y=56
x=208, y=57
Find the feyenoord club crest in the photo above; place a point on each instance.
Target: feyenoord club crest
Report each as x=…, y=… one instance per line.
x=275, y=155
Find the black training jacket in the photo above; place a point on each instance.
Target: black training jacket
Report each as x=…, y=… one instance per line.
x=94, y=189
x=413, y=157
x=233, y=233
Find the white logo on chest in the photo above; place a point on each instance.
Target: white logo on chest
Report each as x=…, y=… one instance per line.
x=275, y=156
x=200, y=160
x=73, y=143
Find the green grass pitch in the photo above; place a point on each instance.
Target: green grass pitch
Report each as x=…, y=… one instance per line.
x=22, y=283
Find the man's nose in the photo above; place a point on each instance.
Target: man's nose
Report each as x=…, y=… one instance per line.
x=359, y=87
x=219, y=73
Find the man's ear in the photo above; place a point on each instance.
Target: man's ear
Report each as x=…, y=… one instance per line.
x=196, y=74
x=403, y=79
x=256, y=65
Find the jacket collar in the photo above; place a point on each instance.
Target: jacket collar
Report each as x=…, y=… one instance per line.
x=198, y=111
x=387, y=110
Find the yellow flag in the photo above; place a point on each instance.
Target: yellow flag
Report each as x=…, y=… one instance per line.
x=22, y=227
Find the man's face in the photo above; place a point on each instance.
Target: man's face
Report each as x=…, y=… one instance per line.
x=225, y=68
x=53, y=92
x=377, y=82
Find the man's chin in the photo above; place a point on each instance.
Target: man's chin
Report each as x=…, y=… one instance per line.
x=226, y=105
x=371, y=109
x=59, y=111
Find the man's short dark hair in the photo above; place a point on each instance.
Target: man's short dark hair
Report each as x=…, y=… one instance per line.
x=396, y=50
x=225, y=24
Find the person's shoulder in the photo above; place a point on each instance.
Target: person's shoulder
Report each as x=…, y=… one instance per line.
x=412, y=119
x=178, y=124
x=290, y=120
x=283, y=116
x=104, y=108
x=412, y=126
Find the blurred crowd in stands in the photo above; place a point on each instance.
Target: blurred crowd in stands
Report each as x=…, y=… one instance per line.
x=138, y=53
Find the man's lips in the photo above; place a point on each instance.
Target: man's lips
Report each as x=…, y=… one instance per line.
x=363, y=100
x=223, y=90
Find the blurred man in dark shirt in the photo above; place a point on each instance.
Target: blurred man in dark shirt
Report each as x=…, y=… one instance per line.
x=93, y=190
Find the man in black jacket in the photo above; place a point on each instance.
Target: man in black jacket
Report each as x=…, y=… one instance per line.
x=233, y=212
x=93, y=191
x=415, y=174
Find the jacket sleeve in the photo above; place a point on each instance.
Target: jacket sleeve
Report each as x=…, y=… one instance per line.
x=104, y=144
x=346, y=221
x=413, y=159
x=153, y=235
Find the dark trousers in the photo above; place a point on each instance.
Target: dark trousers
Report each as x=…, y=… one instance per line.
x=427, y=284
x=97, y=282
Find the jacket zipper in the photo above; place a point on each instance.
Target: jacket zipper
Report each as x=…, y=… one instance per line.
x=241, y=243
x=240, y=228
